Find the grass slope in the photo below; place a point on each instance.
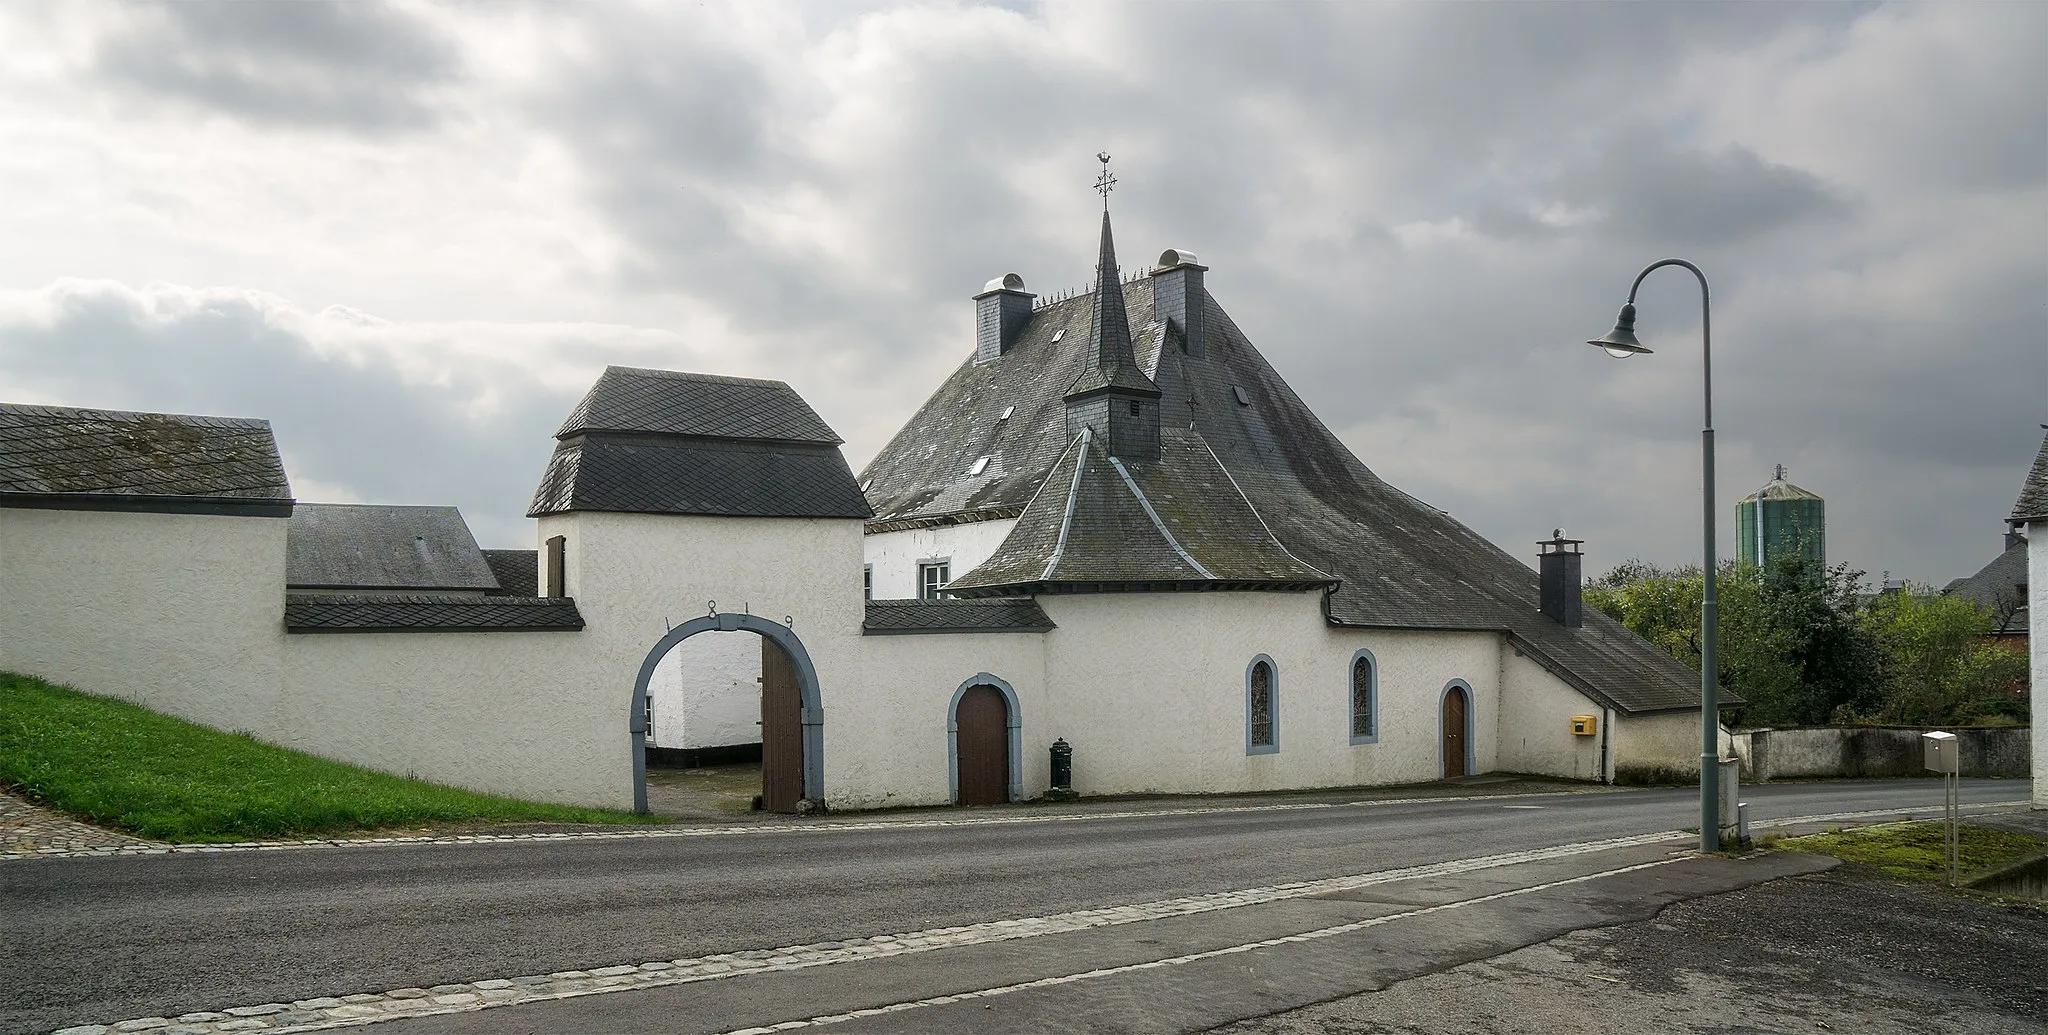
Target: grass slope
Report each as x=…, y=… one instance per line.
x=1914, y=851
x=115, y=764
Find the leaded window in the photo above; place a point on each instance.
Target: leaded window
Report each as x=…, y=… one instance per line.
x=1361, y=698
x=1262, y=714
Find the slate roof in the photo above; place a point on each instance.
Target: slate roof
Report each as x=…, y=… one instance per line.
x=1403, y=564
x=1112, y=365
x=382, y=548
x=2001, y=583
x=363, y=613
x=61, y=456
x=2033, y=502
x=899, y=617
x=1180, y=523
x=706, y=405
x=660, y=442
x=517, y=571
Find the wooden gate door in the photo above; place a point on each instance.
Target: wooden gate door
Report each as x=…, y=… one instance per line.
x=782, y=731
x=1454, y=733
x=981, y=743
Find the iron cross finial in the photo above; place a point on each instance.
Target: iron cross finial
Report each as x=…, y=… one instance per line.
x=1105, y=182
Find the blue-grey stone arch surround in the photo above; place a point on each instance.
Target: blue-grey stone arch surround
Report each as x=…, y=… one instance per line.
x=1471, y=722
x=1372, y=694
x=1272, y=704
x=806, y=682
x=1016, y=720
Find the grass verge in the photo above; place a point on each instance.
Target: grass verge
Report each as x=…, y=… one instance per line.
x=1913, y=851
x=119, y=765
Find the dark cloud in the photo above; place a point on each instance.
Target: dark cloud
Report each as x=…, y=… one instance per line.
x=351, y=420
x=1653, y=193
x=361, y=66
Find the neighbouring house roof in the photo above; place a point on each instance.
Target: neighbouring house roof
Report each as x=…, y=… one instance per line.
x=894, y=617
x=1402, y=563
x=382, y=548
x=364, y=613
x=68, y=458
x=2001, y=586
x=659, y=442
x=2033, y=502
x=518, y=572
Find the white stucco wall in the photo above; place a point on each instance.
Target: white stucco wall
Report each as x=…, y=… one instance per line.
x=1663, y=740
x=889, y=745
x=707, y=693
x=183, y=613
x=1150, y=691
x=894, y=556
x=1535, y=724
x=2037, y=647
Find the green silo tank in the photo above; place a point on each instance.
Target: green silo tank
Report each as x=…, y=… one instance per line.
x=1781, y=519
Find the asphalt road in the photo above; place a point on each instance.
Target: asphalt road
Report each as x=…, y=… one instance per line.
x=106, y=939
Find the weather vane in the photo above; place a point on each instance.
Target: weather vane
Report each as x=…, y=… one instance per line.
x=1105, y=182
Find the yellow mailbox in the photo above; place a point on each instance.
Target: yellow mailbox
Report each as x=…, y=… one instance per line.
x=1585, y=725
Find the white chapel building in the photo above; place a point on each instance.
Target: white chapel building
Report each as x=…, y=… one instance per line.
x=1114, y=526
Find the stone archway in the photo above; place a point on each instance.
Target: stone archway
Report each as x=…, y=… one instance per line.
x=812, y=711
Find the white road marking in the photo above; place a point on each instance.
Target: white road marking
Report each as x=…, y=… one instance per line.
x=357, y=1009
x=1193, y=957
x=1521, y=806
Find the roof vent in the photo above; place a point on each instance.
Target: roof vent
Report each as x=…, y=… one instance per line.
x=979, y=466
x=1242, y=399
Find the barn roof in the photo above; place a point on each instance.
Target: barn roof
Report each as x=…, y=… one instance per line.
x=662, y=442
x=1402, y=563
x=375, y=547
x=69, y=458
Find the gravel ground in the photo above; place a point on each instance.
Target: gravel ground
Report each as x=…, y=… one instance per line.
x=1839, y=951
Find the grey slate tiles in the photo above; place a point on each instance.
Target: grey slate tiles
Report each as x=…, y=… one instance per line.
x=368, y=613
x=517, y=571
x=102, y=457
x=1402, y=563
x=655, y=442
x=370, y=549
x=902, y=617
x=2032, y=504
x=2000, y=586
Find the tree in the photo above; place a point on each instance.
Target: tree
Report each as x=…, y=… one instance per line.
x=1937, y=668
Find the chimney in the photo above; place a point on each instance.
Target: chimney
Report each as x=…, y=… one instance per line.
x=2015, y=534
x=999, y=313
x=1179, y=299
x=1559, y=568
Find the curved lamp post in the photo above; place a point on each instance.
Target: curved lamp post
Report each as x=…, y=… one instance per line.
x=1621, y=343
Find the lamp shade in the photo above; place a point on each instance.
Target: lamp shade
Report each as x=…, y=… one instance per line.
x=1621, y=342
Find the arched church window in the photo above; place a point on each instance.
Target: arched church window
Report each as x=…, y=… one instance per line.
x=1262, y=707
x=1365, y=698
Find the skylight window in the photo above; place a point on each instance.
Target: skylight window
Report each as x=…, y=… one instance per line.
x=1058, y=334
x=979, y=466
x=1007, y=410
x=1242, y=399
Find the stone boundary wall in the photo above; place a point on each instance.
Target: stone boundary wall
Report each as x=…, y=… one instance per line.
x=1861, y=751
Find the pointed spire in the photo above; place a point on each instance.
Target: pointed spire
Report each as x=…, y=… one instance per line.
x=1109, y=328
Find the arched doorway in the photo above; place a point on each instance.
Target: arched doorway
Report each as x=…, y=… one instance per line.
x=1456, y=751
x=791, y=712
x=984, y=731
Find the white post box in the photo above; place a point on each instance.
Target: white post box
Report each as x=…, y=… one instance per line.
x=1941, y=753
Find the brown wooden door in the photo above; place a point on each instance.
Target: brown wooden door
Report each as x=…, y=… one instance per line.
x=1454, y=733
x=782, y=731
x=982, y=746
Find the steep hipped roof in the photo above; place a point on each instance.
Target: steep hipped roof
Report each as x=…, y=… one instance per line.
x=388, y=548
x=1179, y=523
x=58, y=456
x=1403, y=563
x=2033, y=502
x=2000, y=586
x=660, y=442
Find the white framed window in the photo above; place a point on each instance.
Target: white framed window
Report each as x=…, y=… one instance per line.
x=867, y=582
x=932, y=576
x=1262, y=707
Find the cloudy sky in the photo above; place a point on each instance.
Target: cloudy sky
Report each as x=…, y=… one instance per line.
x=410, y=236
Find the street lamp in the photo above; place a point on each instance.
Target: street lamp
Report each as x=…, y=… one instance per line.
x=1621, y=343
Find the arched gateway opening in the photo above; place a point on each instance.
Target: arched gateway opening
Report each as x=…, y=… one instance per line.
x=792, y=719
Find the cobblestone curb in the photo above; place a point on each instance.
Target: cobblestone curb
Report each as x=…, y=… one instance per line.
x=29, y=831
x=135, y=846
x=344, y=1011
